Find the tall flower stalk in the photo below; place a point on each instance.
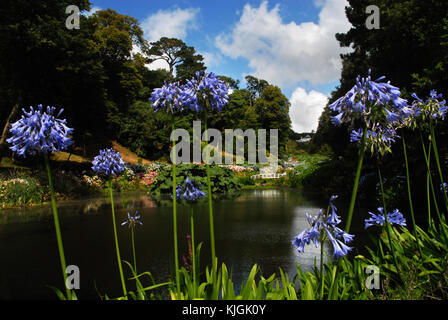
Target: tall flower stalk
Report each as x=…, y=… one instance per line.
x=386, y=222
x=323, y=228
x=190, y=192
x=176, y=249
x=110, y=164
x=411, y=207
x=40, y=131
x=172, y=98
x=356, y=183
x=132, y=222
x=207, y=92
x=209, y=191
x=425, y=117
x=379, y=108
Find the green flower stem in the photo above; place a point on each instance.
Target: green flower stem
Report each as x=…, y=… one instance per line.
x=209, y=191
x=431, y=184
x=428, y=179
x=387, y=227
x=436, y=155
x=410, y=196
x=133, y=250
x=355, y=186
x=193, y=250
x=322, y=267
x=120, y=268
x=57, y=227
x=429, y=176
x=176, y=261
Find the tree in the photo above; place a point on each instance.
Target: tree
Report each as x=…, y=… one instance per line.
x=178, y=55
x=409, y=31
x=410, y=49
x=90, y=72
x=255, y=86
x=41, y=60
x=116, y=35
x=272, y=108
x=231, y=83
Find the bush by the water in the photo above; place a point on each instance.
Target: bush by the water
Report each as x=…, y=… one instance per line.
x=222, y=179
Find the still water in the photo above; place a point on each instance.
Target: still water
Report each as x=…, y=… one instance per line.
x=255, y=227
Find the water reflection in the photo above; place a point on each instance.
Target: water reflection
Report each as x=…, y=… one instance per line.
x=267, y=194
x=311, y=254
x=256, y=227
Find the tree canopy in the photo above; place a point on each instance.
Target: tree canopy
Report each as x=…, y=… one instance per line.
x=180, y=57
x=97, y=75
x=410, y=49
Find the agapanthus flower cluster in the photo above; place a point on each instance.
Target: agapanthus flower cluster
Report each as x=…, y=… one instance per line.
x=377, y=106
x=108, y=163
x=324, y=226
x=178, y=97
x=395, y=217
x=434, y=108
x=189, y=191
x=378, y=138
x=210, y=88
x=133, y=220
x=171, y=97
x=40, y=131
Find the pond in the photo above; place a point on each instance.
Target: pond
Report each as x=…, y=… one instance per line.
x=255, y=227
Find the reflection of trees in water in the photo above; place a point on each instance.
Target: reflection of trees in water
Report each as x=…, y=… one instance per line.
x=92, y=205
x=122, y=202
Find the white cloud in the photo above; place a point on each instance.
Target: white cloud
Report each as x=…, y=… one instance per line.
x=91, y=11
x=286, y=53
x=158, y=64
x=211, y=59
x=170, y=23
x=306, y=109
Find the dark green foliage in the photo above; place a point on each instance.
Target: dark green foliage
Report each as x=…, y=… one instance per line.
x=104, y=87
x=223, y=180
x=410, y=49
x=272, y=108
x=179, y=57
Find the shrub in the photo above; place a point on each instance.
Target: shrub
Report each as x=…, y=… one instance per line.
x=223, y=180
x=20, y=191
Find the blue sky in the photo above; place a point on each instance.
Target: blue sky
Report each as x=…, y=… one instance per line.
x=289, y=43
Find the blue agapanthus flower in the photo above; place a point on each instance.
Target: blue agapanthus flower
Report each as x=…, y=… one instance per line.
x=379, y=138
x=189, y=191
x=210, y=88
x=324, y=226
x=40, y=131
x=132, y=220
x=172, y=97
x=395, y=217
x=108, y=163
x=367, y=95
x=378, y=106
x=434, y=108
x=444, y=187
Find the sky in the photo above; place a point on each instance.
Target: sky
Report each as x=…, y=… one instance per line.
x=289, y=43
